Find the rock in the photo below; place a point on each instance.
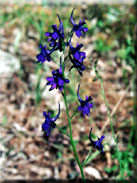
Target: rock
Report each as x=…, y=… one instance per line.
x=92, y=172
x=8, y=63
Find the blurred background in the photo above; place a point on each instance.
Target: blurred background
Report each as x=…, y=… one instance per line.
x=111, y=39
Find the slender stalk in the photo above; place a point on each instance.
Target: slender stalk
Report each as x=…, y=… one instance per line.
x=75, y=112
x=111, y=124
x=135, y=85
x=70, y=117
x=87, y=158
x=71, y=137
x=63, y=131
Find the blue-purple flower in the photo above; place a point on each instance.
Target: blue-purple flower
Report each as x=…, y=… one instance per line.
x=79, y=29
x=58, y=80
x=98, y=143
x=44, y=55
x=57, y=36
x=77, y=57
x=49, y=123
x=85, y=105
x=80, y=56
x=78, y=65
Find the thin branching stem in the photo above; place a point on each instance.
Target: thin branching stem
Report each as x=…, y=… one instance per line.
x=63, y=131
x=71, y=137
x=111, y=123
x=70, y=128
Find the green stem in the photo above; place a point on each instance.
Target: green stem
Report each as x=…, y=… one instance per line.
x=71, y=137
x=69, y=121
x=75, y=112
x=87, y=158
x=63, y=131
x=111, y=124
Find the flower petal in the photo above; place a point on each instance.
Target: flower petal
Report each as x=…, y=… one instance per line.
x=40, y=58
x=78, y=33
x=66, y=80
x=60, y=82
x=54, y=35
x=85, y=29
x=53, y=86
x=44, y=113
x=50, y=79
x=76, y=55
x=101, y=138
x=80, y=108
x=90, y=105
x=86, y=110
x=47, y=34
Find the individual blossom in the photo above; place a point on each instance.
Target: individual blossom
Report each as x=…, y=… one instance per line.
x=57, y=36
x=79, y=29
x=85, y=104
x=44, y=55
x=80, y=56
x=77, y=57
x=58, y=80
x=49, y=123
x=78, y=65
x=98, y=143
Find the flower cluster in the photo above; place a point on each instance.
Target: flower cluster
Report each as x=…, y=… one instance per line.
x=56, y=40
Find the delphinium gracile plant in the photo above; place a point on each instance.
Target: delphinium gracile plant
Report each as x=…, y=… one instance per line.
x=58, y=80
